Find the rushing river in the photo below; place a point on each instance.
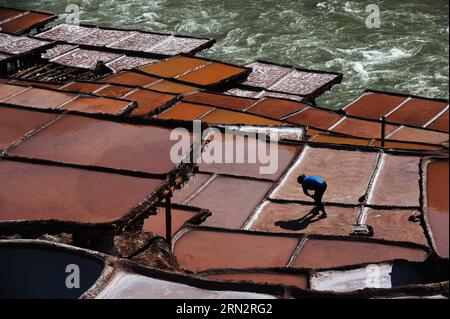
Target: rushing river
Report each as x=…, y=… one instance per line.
x=407, y=53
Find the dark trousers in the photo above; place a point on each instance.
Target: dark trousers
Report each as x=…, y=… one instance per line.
x=318, y=194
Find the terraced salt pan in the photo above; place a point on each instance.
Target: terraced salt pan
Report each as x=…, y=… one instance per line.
x=293, y=218
x=319, y=254
x=41, y=192
x=347, y=174
x=133, y=286
x=396, y=182
x=230, y=199
x=240, y=162
x=437, y=182
x=15, y=123
x=157, y=223
x=373, y=106
x=199, y=250
x=221, y=100
x=395, y=225
x=88, y=141
x=276, y=108
x=268, y=277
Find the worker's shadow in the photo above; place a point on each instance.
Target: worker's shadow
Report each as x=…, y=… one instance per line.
x=313, y=216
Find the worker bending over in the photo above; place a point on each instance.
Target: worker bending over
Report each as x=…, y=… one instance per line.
x=316, y=184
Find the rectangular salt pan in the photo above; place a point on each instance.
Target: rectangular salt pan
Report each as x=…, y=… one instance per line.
x=86, y=59
x=264, y=75
x=41, y=192
x=57, y=51
x=303, y=82
x=140, y=42
x=88, y=141
x=21, y=45
x=396, y=182
x=103, y=37
x=287, y=79
x=347, y=174
x=134, y=286
x=128, y=62
x=177, y=45
x=66, y=32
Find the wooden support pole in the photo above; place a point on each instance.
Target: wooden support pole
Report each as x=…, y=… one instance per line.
x=383, y=130
x=169, y=219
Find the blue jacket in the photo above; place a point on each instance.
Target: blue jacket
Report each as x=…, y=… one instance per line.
x=312, y=182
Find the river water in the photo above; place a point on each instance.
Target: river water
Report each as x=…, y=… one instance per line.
x=407, y=53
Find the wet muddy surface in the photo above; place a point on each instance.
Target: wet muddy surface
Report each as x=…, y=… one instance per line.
x=335, y=253
x=339, y=140
x=316, y=118
x=416, y=112
x=362, y=128
x=441, y=123
x=148, y=101
x=239, y=156
x=172, y=87
x=131, y=78
x=437, y=204
x=202, y=250
x=24, y=22
x=220, y=100
x=8, y=90
x=14, y=123
x=96, y=105
x=115, y=91
x=157, y=223
x=83, y=87
x=190, y=187
x=212, y=73
x=410, y=134
x=374, y=105
x=231, y=200
x=392, y=188
x=276, y=108
x=40, y=98
x=87, y=141
x=220, y=116
x=68, y=194
x=174, y=66
x=388, y=223
x=185, y=111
